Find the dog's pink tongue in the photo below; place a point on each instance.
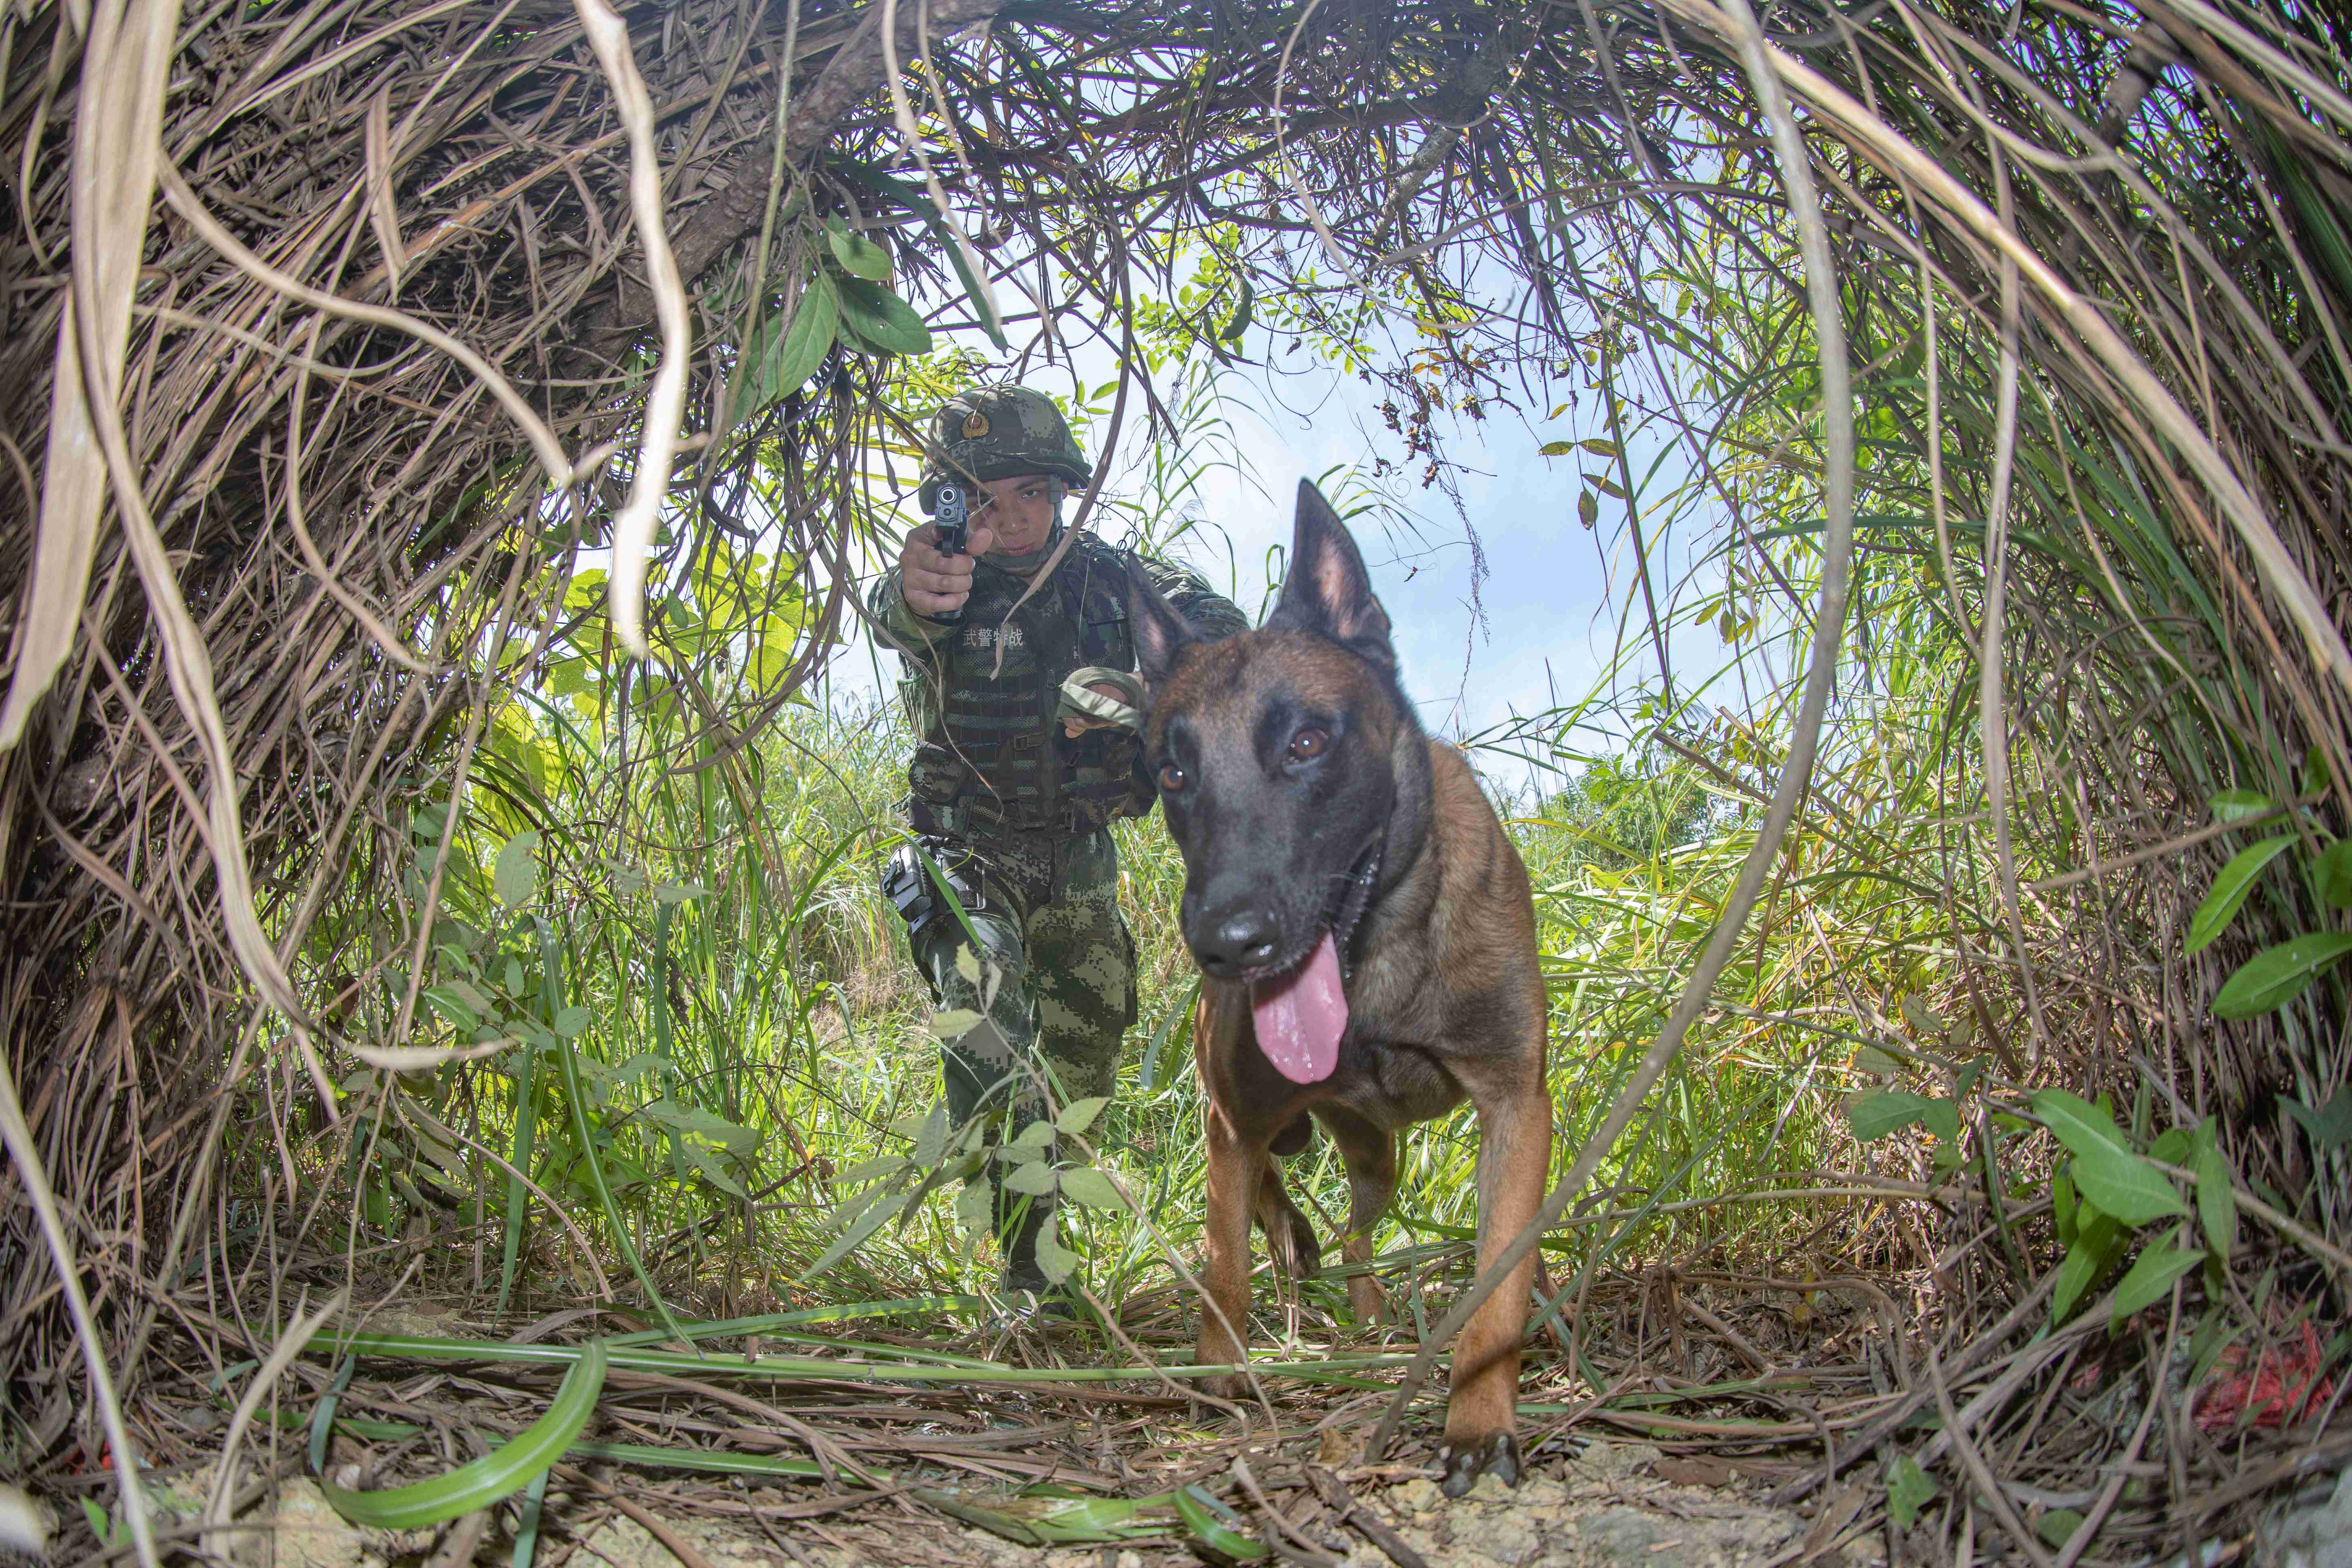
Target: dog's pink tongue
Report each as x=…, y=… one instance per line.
x=1301, y=1016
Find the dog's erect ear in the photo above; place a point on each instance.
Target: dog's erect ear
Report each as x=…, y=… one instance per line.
x=1160, y=630
x=1327, y=590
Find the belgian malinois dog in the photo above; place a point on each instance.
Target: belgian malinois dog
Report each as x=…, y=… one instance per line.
x=1367, y=941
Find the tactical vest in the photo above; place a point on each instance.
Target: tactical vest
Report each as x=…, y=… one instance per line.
x=992, y=758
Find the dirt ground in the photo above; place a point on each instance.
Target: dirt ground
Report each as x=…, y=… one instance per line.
x=1612, y=1505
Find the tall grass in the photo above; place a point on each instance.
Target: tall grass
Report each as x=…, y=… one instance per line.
x=714, y=1025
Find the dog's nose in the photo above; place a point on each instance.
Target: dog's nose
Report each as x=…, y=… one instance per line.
x=1237, y=942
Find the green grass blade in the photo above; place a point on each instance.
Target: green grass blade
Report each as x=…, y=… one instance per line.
x=605, y=1200
x=323, y=1422
x=526, y=1114
x=493, y=1475
x=534, y=1498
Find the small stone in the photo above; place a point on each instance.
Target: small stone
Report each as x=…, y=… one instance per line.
x=1613, y=1461
x=307, y=1532
x=2317, y=1535
x=1417, y=1496
x=1624, y=1534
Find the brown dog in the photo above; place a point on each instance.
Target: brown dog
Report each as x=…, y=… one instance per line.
x=1369, y=946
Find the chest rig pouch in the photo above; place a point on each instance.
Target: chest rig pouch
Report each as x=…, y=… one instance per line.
x=994, y=758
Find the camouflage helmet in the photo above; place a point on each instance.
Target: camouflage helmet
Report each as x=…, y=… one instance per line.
x=999, y=433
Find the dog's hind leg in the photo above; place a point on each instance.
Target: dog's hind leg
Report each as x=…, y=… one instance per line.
x=1370, y=1155
x=1289, y=1238
x=1514, y=1152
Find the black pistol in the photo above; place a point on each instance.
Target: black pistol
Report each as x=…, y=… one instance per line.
x=953, y=518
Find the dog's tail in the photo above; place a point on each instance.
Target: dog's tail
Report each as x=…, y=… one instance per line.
x=1293, y=1138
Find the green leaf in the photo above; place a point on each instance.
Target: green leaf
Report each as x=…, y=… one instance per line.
x=2078, y=1124
x=1217, y=1526
x=2277, y=976
x=1034, y=1179
x=2058, y=1526
x=1084, y=1185
x=2230, y=886
x=1908, y=1490
x=2331, y=873
x=1588, y=510
x=704, y=1161
x=1598, y=447
x=932, y=1140
x=447, y=1001
x=515, y=874
x=1035, y=1138
x=1874, y=1116
x=2126, y=1186
x=1242, y=314
x=954, y=1022
x=571, y=1023
x=793, y=357
x=1054, y=1262
x=495, y=1475
x=881, y=320
x=976, y=1209
x=876, y=1214
x=1876, y=1062
x=866, y=1170
x=2094, y=1248
x=859, y=257
x=1175, y=1025
x=2172, y=1146
x=970, y=270
x=2237, y=805
x=2331, y=1127
x=1080, y=1115
x=2150, y=1279
x=1555, y=449
x=1942, y=1118
x=2061, y=1207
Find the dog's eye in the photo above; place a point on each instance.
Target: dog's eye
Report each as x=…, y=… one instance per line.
x=1308, y=744
x=1171, y=777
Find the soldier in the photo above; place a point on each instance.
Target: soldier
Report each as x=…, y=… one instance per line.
x=1026, y=727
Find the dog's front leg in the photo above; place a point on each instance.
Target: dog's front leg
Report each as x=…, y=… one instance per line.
x=1236, y=1166
x=1514, y=1154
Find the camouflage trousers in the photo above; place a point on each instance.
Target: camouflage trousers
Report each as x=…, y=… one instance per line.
x=1052, y=980
x=1050, y=986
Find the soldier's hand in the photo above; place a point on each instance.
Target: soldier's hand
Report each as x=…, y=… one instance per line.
x=937, y=585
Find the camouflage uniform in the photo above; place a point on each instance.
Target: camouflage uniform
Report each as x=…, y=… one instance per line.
x=1016, y=815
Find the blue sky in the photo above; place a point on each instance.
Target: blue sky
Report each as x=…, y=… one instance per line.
x=1548, y=626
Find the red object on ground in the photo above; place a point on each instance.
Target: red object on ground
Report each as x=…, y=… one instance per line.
x=2283, y=1385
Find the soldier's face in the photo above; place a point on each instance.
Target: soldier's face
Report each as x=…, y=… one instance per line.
x=1018, y=510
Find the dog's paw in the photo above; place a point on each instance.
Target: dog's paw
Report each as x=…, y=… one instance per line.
x=1497, y=1457
x=1296, y=1253
x=1231, y=1386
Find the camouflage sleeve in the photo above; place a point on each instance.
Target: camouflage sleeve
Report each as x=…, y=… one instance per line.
x=1211, y=613
x=909, y=633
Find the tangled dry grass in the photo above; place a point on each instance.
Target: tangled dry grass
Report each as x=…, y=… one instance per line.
x=330, y=329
